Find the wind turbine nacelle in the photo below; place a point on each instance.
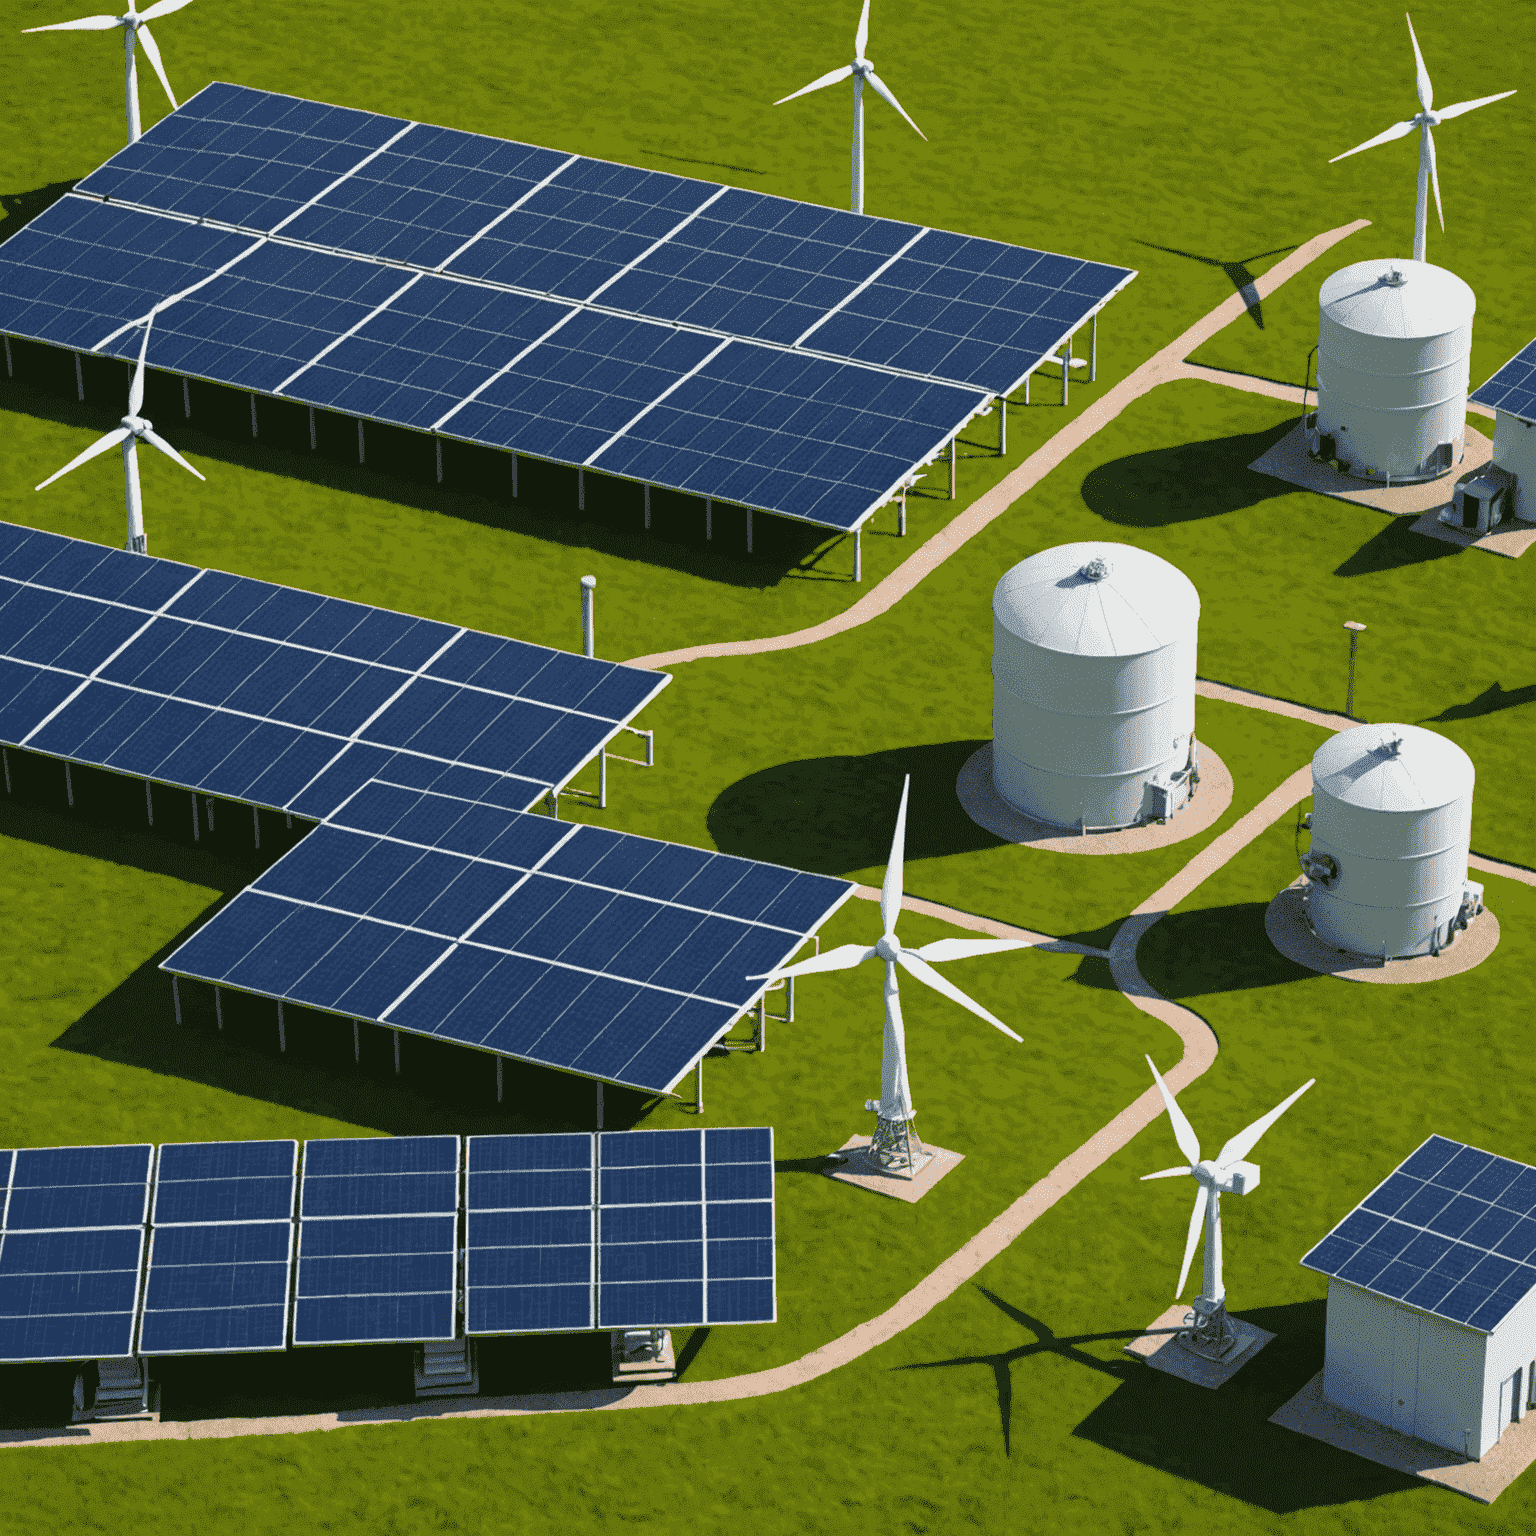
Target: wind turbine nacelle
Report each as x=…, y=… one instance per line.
x=1244, y=1177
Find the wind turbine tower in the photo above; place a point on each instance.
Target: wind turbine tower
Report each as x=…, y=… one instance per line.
x=861, y=70
x=1208, y=1331
x=896, y=1148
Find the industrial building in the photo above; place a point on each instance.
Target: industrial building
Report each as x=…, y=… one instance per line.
x=1432, y=1298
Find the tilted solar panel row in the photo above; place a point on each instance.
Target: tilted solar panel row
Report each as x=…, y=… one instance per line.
x=1513, y=387
x=606, y=954
x=239, y=688
x=232, y=1252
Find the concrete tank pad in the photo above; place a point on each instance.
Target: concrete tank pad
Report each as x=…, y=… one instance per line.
x=1163, y=1352
x=1310, y=1413
x=1285, y=922
x=1510, y=539
x=860, y=1171
x=982, y=803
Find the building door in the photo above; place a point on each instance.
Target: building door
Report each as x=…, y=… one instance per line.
x=1405, y=1370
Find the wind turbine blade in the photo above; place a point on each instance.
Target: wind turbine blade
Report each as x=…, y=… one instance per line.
x=861, y=37
x=1245, y=1141
x=162, y=8
x=136, y=389
x=152, y=53
x=1446, y=113
x=1396, y=131
x=1168, y=1173
x=100, y=446
x=926, y=974
x=843, y=958
x=154, y=439
x=85, y=24
x=962, y=949
x=1183, y=1131
x=1426, y=90
x=1196, y=1218
x=1434, y=176
x=890, y=891
x=830, y=78
x=884, y=90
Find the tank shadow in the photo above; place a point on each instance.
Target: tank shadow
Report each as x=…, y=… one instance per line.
x=1393, y=548
x=1490, y=701
x=1214, y=949
x=1185, y=482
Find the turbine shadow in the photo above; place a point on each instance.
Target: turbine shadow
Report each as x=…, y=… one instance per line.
x=1237, y=273
x=1393, y=548
x=1490, y=701
x=22, y=207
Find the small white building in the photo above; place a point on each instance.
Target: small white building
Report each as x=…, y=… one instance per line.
x=1432, y=1298
x=1511, y=393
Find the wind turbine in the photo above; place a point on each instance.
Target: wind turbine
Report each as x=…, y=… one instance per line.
x=1424, y=120
x=1212, y=1333
x=892, y=1146
x=861, y=70
x=135, y=25
x=133, y=429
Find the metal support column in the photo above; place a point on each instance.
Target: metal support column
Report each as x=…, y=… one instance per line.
x=762, y=1022
x=396, y=1034
x=500, y=1062
x=581, y=489
x=514, y=477
x=439, y=461
x=282, y=1028
x=176, y=997
x=312, y=438
x=789, y=1000
x=357, y=1042
x=1002, y=426
x=858, y=554
x=1093, y=349
x=256, y=825
x=647, y=507
x=1066, y=368
x=79, y=378
x=588, y=627
x=6, y=757
x=218, y=1007
x=253, y=415
x=599, y=1106
x=749, y=530
x=197, y=831
x=901, y=516
x=149, y=801
x=69, y=787
x=10, y=368
x=709, y=518
x=186, y=400
x=362, y=457
x=952, y=453
x=602, y=780
x=698, y=1087
x=208, y=804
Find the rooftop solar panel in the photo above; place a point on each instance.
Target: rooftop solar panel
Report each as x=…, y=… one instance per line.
x=378, y=1241
x=428, y=278
x=1452, y=1231
x=1513, y=387
x=602, y=953
x=70, y=1251
x=240, y=688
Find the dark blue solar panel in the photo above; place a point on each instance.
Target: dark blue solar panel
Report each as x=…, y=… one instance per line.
x=1432, y=1235
x=217, y=1287
x=81, y=269
x=242, y=156
x=59, y=1187
x=381, y=1176
x=68, y=1295
x=1512, y=388
x=216, y=1181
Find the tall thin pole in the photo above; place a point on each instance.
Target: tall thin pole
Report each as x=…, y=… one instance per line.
x=857, y=202
x=1354, y=641
x=129, y=33
x=1421, y=213
x=588, y=629
x=858, y=554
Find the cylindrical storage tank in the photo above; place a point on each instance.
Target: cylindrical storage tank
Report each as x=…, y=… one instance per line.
x=1393, y=352
x=1392, y=811
x=1093, y=683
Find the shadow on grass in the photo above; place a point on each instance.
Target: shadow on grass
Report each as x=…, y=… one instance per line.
x=22, y=207
x=1489, y=702
x=1396, y=546
x=1183, y=483
x=1214, y=949
x=1223, y=1439
x=832, y=814
x=1237, y=273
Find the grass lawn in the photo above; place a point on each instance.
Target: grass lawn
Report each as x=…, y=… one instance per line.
x=1176, y=139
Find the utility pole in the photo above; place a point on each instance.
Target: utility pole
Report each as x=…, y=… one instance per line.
x=1355, y=631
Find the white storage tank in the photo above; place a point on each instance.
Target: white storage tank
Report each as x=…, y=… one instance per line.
x=1093, y=685
x=1393, y=353
x=1391, y=823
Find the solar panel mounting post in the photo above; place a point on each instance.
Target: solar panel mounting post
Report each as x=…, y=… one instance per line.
x=439, y=461
x=149, y=801
x=256, y=824
x=588, y=628
x=1002, y=426
x=361, y=448
x=514, y=477
x=396, y=1034
x=282, y=1028
x=79, y=379
x=176, y=998
x=749, y=530
x=253, y=414
x=7, y=759
x=1066, y=368
x=499, y=1064
x=186, y=400
x=69, y=787
x=901, y=516
x=197, y=833
x=581, y=489
x=709, y=518
x=599, y=1106
x=858, y=554
x=1093, y=348
x=647, y=507
x=218, y=1006
x=602, y=780
x=312, y=438
x=10, y=371
x=698, y=1087
x=953, y=453
x=357, y=1042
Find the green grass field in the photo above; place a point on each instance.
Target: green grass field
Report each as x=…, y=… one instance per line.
x=1179, y=139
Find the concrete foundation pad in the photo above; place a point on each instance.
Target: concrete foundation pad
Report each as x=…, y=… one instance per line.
x=1285, y=923
x=1510, y=539
x=1289, y=460
x=1310, y=1413
x=1161, y=1350
x=859, y=1170
x=982, y=803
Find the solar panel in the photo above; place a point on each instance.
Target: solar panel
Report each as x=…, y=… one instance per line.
x=602, y=953
x=71, y=1250
x=243, y=689
x=686, y=1228
x=378, y=1241
x=429, y=278
x=220, y=1254
x=1451, y=1231
x=1513, y=387
x=529, y=1230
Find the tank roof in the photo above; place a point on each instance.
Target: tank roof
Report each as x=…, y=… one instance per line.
x=1392, y=768
x=1398, y=299
x=1097, y=599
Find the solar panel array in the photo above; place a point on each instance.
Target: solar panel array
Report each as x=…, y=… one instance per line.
x=71, y=1251
x=1451, y=1231
x=601, y=953
x=243, y=689
x=1513, y=387
x=796, y=359
x=562, y=1233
